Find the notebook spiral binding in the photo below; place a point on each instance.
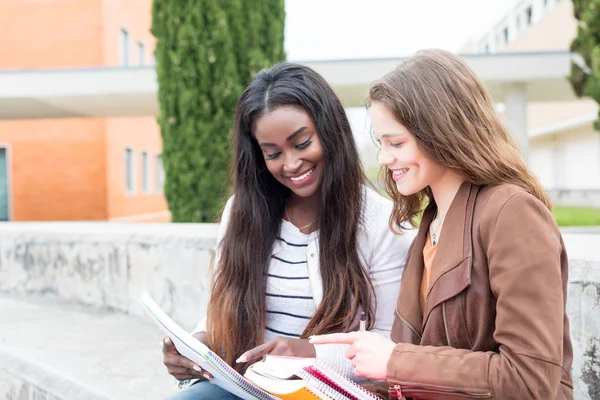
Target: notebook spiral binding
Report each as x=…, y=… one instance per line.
x=341, y=386
x=232, y=374
x=313, y=382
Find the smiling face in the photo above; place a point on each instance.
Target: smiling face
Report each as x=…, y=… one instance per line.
x=412, y=170
x=291, y=149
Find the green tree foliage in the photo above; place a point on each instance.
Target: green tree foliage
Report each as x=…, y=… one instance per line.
x=206, y=52
x=585, y=71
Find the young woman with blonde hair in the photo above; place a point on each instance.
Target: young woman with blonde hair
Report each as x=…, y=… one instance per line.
x=482, y=310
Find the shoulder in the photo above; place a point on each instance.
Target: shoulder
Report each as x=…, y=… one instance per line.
x=510, y=203
x=226, y=213
x=374, y=204
x=380, y=248
x=496, y=198
x=375, y=221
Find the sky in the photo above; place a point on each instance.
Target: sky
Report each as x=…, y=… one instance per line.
x=351, y=29
x=346, y=29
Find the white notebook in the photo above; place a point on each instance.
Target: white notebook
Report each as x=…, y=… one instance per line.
x=190, y=347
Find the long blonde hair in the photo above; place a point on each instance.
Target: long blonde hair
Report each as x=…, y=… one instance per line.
x=438, y=98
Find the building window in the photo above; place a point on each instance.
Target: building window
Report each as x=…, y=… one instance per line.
x=4, y=185
x=145, y=173
x=518, y=23
x=140, y=49
x=124, y=47
x=505, y=35
x=487, y=49
x=160, y=174
x=129, y=171
x=529, y=15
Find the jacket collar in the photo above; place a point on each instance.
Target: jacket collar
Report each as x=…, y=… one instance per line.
x=451, y=272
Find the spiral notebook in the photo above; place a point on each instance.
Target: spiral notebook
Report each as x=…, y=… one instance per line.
x=276, y=377
x=188, y=346
x=292, y=378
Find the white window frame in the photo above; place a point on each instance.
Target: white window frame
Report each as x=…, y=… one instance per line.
x=145, y=173
x=130, y=169
x=124, y=39
x=528, y=20
x=9, y=182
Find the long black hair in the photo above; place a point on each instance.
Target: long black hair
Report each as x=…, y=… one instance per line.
x=236, y=313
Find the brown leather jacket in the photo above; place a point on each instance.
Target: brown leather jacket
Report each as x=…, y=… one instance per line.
x=495, y=324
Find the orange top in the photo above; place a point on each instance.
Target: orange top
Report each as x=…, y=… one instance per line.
x=428, y=256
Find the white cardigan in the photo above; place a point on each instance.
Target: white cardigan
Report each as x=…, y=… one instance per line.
x=381, y=252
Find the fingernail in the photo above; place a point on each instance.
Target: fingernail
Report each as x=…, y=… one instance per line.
x=167, y=340
x=197, y=368
x=241, y=359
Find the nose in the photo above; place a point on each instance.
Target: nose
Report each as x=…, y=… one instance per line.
x=385, y=158
x=292, y=165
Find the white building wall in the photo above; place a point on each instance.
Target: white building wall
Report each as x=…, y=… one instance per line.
x=582, y=166
x=541, y=161
x=567, y=161
x=568, y=166
x=513, y=24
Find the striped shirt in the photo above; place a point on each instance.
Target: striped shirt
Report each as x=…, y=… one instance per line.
x=289, y=301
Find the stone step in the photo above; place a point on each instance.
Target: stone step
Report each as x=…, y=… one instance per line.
x=55, y=351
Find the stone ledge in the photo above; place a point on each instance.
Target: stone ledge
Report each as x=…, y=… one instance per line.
x=64, y=352
x=26, y=379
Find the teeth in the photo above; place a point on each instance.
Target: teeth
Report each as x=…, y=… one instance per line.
x=401, y=171
x=301, y=177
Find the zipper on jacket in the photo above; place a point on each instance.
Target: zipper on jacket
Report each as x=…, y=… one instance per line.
x=395, y=392
x=409, y=389
x=446, y=324
x=407, y=324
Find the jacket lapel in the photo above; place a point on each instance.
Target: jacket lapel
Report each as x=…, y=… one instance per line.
x=408, y=307
x=451, y=272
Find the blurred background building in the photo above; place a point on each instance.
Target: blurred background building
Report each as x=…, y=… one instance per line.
x=564, y=147
x=79, y=140
x=85, y=168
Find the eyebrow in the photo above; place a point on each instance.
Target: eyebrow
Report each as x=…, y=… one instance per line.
x=389, y=135
x=288, y=139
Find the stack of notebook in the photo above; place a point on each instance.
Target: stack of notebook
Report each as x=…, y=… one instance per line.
x=286, y=378
x=292, y=378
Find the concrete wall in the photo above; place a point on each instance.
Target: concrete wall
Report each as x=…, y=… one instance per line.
x=105, y=266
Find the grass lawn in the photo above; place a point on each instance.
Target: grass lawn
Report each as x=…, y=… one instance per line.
x=576, y=216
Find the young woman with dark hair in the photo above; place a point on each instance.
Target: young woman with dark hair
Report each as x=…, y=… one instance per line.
x=304, y=244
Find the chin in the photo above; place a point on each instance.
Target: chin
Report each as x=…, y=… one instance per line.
x=307, y=192
x=406, y=190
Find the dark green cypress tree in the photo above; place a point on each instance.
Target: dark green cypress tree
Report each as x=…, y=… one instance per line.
x=206, y=52
x=585, y=72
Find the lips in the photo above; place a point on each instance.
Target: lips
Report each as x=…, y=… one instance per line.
x=301, y=177
x=399, y=173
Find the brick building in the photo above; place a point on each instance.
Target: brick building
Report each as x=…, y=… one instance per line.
x=79, y=168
